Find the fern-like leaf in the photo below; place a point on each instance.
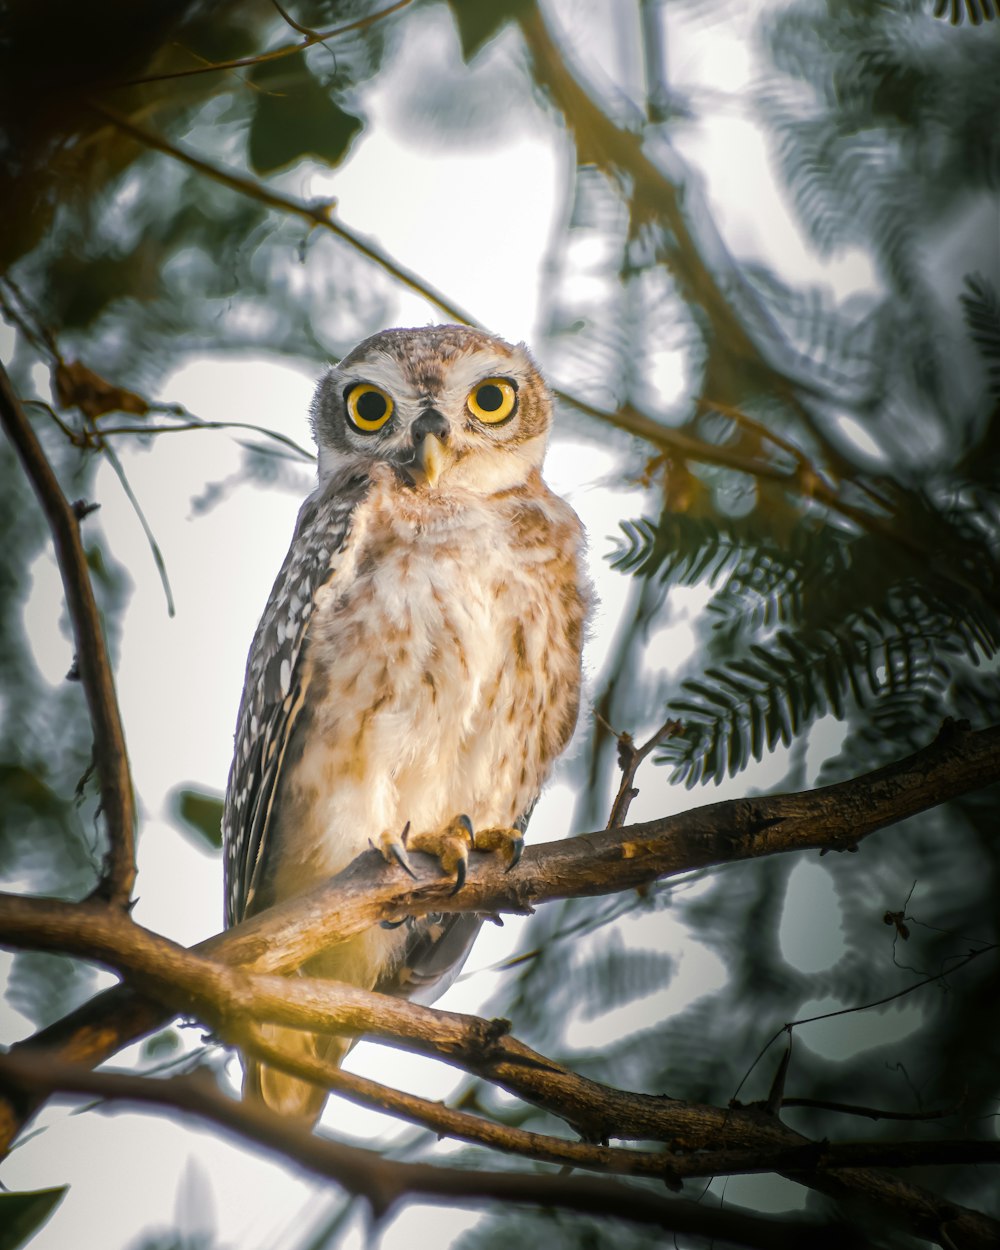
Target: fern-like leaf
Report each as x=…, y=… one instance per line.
x=981, y=306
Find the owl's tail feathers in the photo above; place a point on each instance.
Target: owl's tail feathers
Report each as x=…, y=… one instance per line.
x=288, y=1095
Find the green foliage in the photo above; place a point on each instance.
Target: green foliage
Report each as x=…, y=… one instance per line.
x=296, y=117
x=199, y=814
x=478, y=23
x=850, y=577
x=22, y=1215
x=817, y=622
x=981, y=306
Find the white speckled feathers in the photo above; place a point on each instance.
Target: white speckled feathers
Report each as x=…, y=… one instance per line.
x=419, y=656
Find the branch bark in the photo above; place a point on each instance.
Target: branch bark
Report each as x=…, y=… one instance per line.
x=387, y=1184
x=283, y=938
x=117, y=800
x=834, y=817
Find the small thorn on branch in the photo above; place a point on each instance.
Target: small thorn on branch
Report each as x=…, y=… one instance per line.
x=83, y=508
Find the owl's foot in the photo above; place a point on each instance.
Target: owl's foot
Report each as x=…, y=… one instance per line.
x=500, y=838
x=450, y=846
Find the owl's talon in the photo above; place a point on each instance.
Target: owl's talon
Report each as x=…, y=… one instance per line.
x=460, y=874
x=450, y=846
x=399, y=855
x=500, y=838
x=392, y=846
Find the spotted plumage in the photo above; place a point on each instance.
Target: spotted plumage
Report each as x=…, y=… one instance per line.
x=419, y=657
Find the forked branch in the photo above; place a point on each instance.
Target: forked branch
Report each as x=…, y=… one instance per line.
x=117, y=800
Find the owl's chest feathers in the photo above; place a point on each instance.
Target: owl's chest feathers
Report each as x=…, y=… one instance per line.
x=431, y=660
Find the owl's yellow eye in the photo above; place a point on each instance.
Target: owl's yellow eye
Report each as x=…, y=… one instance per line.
x=492, y=401
x=368, y=407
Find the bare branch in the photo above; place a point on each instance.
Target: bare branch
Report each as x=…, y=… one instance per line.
x=836, y=817
x=793, y=1154
x=117, y=801
x=630, y=758
x=606, y=862
x=446, y=1121
x=386, y=1184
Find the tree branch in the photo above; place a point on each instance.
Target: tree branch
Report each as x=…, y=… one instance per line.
x=317, y=213
x=284, y=937
x=793, y=1154
x=387, y=1184
x=117, y=800
x=833, y=817
x=703, y=288
x=286, y=49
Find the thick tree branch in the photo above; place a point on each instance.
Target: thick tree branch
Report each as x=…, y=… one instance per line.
x=795, y=1154
x=232, y=999
x=387, y=1184
x=117, y=801
x=834, y=817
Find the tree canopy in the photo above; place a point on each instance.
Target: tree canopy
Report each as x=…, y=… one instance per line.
x=806, y=492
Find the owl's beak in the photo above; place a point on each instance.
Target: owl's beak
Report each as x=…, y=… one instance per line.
x=432, y=456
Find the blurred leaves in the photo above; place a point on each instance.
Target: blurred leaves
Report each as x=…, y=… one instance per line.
x=23, y=1214
x=822, y=470
x=294, y=117
x=44, y=987
x=981, y=306
x=478, y=23
x=199, y=814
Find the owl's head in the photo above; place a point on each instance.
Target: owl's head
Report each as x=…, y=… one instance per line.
x=445, y=407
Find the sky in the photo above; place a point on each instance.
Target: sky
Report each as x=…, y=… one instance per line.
x=180, y=678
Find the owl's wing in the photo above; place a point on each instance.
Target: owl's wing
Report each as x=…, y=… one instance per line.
x=272, y=692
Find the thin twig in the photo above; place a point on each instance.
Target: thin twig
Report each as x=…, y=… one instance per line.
x=210, y=425
x=869, y=1113
x=154, y=546
x=878, y=1002
x=90, y=437
x=117, y=800
x=318, y=213
x=630, y=757
x=288, y=49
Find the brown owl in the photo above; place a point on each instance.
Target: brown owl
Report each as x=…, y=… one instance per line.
x=417, y=666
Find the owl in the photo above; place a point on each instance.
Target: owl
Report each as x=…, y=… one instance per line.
x=416, y=672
